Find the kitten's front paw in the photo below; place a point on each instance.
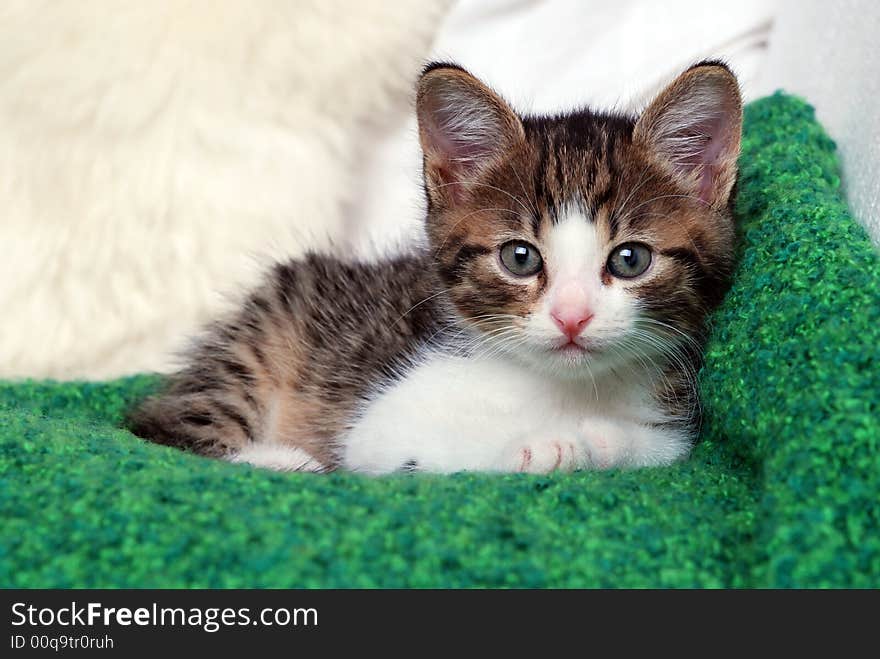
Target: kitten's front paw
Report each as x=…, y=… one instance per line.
x=605, y=442
x=541, y=456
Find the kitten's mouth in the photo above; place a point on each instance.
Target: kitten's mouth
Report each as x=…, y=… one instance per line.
x=572, y=349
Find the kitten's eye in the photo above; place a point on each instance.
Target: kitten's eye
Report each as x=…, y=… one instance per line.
x=629, y=260
x=521, y=258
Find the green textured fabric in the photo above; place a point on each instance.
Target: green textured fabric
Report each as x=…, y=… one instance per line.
x=783, y=491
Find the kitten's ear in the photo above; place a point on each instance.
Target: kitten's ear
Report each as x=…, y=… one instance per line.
x=463, y=126
x=694, y=128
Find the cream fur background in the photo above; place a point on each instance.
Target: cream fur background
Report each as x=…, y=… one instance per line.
x=153, y=152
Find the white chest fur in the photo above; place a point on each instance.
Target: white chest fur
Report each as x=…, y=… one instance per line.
x=492, y=414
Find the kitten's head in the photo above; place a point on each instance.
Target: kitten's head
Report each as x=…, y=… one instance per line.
x=582, y=240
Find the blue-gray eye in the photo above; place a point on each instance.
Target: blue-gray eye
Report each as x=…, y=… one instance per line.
x=629, y=260
x=521, y=258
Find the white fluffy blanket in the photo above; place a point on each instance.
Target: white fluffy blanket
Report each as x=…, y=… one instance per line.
x=153, y=153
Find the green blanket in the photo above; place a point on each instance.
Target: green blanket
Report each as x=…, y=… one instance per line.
x=783, y=490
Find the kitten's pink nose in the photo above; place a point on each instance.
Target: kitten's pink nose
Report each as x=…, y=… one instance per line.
x=570, y=311
x=572, y=323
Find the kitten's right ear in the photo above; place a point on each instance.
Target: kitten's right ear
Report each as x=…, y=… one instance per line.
x=463, y=127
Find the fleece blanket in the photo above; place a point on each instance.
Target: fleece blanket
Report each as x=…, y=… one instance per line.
x=782, y=490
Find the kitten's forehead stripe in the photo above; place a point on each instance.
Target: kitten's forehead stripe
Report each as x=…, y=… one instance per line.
x=577, y=160
x=543, y=190
x=559, y=156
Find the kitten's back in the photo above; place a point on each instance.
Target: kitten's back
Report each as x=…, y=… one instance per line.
x=296, y=361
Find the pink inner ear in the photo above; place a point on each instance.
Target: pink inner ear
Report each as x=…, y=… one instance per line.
x=706, y=144
x=694, y=127
x=452, y=160
x=712, y=153
x=455, y=149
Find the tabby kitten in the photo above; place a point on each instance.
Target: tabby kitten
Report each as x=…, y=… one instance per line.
x=552, y=321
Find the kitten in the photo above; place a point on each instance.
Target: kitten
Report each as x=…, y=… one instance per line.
x=553, y=321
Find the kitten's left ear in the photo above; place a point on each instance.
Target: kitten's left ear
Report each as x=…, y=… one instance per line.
x=694, y=129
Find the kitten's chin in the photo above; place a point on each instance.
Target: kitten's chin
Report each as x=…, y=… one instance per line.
x=567, y=362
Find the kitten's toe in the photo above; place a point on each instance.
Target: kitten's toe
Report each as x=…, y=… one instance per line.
x=604, y=443
x=542, y=456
